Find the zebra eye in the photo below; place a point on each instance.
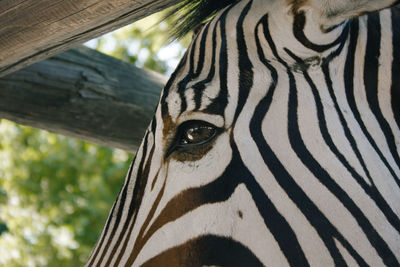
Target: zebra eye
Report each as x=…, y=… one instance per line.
x=195, y=133
x=192, y=139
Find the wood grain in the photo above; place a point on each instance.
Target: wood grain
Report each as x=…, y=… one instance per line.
x=84, y=94
x=32, y=30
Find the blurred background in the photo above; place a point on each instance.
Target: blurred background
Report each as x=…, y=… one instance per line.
x=55, y=191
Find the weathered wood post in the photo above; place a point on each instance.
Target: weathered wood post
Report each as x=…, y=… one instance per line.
x=32, y=30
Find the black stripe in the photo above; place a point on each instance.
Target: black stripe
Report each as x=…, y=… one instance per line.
x=349, y=73
x=141, y=239
x=245, y=67
x=219, y=103
x=286, y=239
x=298, y=32
x=182, y=85
x=135, y=201
x=117, y=218
x=200, y=58
x=220, y=190
x=343, y=40
x=395, y=89
x=371, y=191
x=371, y=70
x=188, y=77
x=99, y=242
x=324, y=177
x=273, y=220
x=331, y=28
x=206, y=251
x=153, y=125
x=165, y=92
x=201, y=85
x=200, y=65
x=171, y=80
x=316, y=218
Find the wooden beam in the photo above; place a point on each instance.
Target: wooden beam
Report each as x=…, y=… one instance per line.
x=32, y=30
x=84, y=94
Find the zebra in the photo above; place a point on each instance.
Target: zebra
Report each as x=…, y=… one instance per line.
x=275, y=142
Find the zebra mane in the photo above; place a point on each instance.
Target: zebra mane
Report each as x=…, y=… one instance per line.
x=190, y=14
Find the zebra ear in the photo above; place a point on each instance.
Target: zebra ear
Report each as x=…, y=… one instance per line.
x=334, y=12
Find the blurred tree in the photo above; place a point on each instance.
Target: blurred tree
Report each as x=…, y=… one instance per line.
x=56, y=192
x=59, y=191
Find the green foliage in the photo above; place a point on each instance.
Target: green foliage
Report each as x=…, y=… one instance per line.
x=140, y=44
x=59, y=192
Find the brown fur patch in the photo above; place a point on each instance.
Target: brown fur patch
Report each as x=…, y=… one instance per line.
x=168, y=125
x=167, y=132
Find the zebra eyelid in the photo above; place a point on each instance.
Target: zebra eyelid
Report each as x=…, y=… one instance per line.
x=215, y=120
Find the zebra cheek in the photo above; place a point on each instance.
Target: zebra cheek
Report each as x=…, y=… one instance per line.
x=204, y=170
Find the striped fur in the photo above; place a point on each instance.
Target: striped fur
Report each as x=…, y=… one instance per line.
x=305, y=169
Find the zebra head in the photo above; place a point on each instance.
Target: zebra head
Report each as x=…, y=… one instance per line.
x=274, y=143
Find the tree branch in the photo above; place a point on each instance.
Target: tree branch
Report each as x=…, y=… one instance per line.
x=84, y=94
